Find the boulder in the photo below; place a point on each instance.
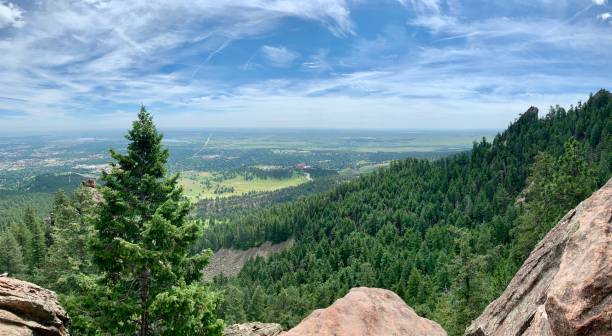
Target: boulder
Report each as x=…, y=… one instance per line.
x=565, y=285
x=27, y=309
x=366, y=312
x=253, y=329
x=90, y=184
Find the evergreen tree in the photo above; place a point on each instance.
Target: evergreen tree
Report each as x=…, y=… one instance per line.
x=38, y=245
x=69, y=248
x=555, y=186
x=23, y=236
x=61, y=214
x=11, y=259
x=142, y=246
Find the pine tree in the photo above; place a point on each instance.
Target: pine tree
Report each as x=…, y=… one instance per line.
x=23, y=236
x=142, y=246
x=69, y=248
x=61, y=213
x=556, y=185
x=38, y=246
x=11, y=259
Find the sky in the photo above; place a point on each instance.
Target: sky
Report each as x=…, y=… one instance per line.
x=441, y=64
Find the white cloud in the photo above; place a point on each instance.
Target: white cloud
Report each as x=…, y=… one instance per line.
x=600, y=2
x=10, y=15
x=81, y=53
x=517, y=32
x=422, y=6
x=279, y=56
x=82, y=59
x=605, y=16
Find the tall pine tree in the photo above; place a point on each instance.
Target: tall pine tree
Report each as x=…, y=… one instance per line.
x=150, y=283
x=37, y=228
x=11, y=258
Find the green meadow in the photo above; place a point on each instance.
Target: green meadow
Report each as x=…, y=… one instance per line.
x=206, y=185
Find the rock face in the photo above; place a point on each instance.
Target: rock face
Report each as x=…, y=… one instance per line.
x=29, y=310
x=253, y=329
x=366, y=312
x=230, y=261
x=565, y=285
x=95, y=194
x=90, y=183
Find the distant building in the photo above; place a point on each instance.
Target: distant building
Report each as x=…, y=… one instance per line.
x=302, y=166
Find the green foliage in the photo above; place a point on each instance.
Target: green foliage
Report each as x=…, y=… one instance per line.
x=554, y=186
x=187, y=310
x=50, y=182
x=23, y=258
x=38, y=247
x=11, y=258
x=141, y=244
x=68, y=257
x=23, y=236
x=13, y=203
x=445, y=235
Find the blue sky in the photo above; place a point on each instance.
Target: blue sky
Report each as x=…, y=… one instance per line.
x=89, y=64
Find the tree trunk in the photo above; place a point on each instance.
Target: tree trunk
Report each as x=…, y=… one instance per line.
x=144, y=298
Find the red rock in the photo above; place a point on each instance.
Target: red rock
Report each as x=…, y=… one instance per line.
x=366, y=312
x=565, y=285
x=27, y=309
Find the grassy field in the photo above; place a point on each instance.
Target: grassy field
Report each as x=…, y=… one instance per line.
x=202, y=185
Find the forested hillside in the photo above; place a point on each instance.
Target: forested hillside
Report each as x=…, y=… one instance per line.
x=13, y=204
x=446, y=235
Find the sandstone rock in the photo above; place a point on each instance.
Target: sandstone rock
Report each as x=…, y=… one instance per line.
x=366, y=312
x=27, y=309
x=95, y=194
x=565, y=285
x=253, y=329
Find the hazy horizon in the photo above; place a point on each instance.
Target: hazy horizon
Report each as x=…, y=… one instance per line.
x=92, y=133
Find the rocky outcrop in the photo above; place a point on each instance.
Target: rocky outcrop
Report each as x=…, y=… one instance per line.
x=90, y=184
x=253, y=329
x=565, y=286
x=230, y=261
x=366, y=312
x=29, y=310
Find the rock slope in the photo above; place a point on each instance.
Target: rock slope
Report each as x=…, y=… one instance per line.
x=565, y=285
x=253, y=329
x=29, y=310
x=366, y=312
x=230, y=261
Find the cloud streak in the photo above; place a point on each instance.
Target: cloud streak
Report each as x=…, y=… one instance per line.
x=279, y=56
x=240, y=63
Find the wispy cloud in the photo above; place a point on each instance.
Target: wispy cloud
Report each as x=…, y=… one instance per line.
x=318, y=62
x=421, y=6
x=279, y=56
x=242, y=62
